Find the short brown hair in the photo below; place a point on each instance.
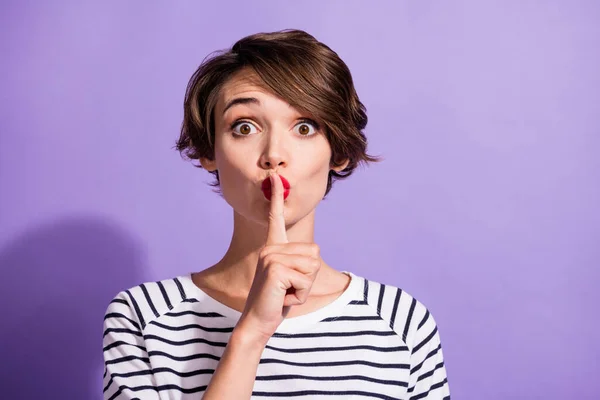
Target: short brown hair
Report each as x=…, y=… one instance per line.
x=298, y=68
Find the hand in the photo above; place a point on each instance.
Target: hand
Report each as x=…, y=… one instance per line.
x=284, y=275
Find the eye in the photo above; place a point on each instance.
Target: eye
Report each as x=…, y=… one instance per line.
x=245, y=128
x=305, y=126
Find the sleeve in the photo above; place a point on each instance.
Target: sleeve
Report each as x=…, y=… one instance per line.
x=428, y=379
x=127, y=371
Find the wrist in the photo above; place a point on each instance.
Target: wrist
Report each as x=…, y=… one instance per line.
x=246, y=337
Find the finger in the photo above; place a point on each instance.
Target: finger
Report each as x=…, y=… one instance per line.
x=299, y=248
x=304, y=264
x=299, y=286
x=276, y=232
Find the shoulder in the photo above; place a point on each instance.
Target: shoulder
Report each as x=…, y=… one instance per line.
x=405, y=314
x=149, y=300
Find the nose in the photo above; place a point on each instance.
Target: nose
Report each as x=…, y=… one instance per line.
x=273, y=155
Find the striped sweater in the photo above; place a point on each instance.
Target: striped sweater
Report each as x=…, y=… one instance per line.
x=163, y=340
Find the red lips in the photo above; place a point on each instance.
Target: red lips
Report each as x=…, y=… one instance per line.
x=266, y=187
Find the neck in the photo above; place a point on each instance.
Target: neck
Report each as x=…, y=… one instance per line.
x=249, y=237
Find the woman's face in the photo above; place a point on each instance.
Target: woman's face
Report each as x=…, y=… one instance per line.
x=256, y=133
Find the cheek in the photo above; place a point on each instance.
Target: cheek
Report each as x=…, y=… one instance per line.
x=319, y=171
x=227, y=160
x=316, y=171
x=231, y=175
x=232, y=171
x=320, y=160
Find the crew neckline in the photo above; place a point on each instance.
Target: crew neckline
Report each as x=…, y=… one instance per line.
x=293, y=324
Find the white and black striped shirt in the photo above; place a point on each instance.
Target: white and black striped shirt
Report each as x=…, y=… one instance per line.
x=163, y=340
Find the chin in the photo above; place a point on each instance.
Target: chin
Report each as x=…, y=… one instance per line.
x=253, y=206
x=257, y=211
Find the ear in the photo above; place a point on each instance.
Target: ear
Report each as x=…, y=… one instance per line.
x=340, y=167
x=207, y=164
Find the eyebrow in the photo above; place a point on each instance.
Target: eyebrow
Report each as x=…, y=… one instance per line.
x=241, y=100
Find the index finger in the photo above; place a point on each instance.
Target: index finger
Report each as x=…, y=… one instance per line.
x=276, y=232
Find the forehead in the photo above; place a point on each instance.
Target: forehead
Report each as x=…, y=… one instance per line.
x=247, y=84
x=243, y=81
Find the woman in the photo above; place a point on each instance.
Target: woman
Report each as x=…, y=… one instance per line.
x=276, y=119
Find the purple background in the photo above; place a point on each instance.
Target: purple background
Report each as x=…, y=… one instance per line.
x=485, y=208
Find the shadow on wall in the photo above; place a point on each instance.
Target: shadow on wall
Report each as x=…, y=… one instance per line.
x=57, y=281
